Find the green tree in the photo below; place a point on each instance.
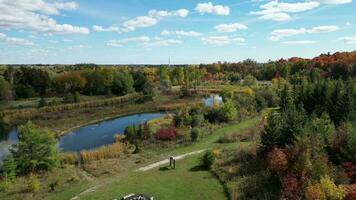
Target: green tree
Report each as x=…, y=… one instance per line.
x=68, y=98
x=228, y=111
x=249, y=80
x=164, y=77
x=123, y=83
x=207, y=160
x=194, y=134
x=36, y=149
x=76, y=97
x=9, y=167
x=5, y=90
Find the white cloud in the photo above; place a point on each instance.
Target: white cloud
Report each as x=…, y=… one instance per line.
x=349, y=39
x=14, y=41
x=279, y=34
x=228, y=28
x=35, y=15
x=299, y=42
x=348, y=24
x=212, y=9
x=277, y=11
x=181, y=33
x=143, y=41
x=67, y=40
x=139, y=22
x=333, y=2
x=223, y=40
x=163, y=13
x=108, y=29
x=152, y=19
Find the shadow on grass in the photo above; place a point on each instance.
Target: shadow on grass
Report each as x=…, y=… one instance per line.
x=165, y=168
x=197, y=168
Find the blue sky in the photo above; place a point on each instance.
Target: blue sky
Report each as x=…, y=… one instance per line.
x=186, y=31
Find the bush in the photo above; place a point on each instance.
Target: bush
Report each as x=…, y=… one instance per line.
x=207, y=160
x=131, y=133
x=54, y=102
x=42, y=103
x=166, y=134
x=33, y=183
x=76, y=97
x=9, y=168
x=277, y=160
x=228, y=111
x=194, y=134
x=68, y=98
x=197, y=120
x=330, y=190
x=5, y=184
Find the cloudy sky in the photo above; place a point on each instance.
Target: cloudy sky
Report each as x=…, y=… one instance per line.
x=186, y=31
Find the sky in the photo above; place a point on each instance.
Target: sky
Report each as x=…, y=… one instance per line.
x=182, y=31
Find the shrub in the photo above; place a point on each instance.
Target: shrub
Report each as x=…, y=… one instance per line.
x=277, y=160
x=76, y=97
x=5, y=184
x=42, y=103
x=33, y=183
x=68, y=98
x=9, y=167
x=331, y=190
x=207, y=160
x=350, y=192
x=228, y=111
x=169, y=133
x=290, y=187
x=194, y=134
x=197, y=120
x=131, y=133
x=314, y=192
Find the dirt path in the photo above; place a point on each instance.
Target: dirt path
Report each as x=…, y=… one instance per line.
x=166, y=161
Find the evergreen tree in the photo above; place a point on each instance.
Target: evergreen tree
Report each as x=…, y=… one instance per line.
x=36, y=149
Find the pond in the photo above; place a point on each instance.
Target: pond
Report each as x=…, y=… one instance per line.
x=209, y=101
x=86, y=137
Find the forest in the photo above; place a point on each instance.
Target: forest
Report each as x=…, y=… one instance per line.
x=284, y=129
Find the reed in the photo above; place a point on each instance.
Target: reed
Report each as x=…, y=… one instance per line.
x=32, y=112
x=106, y=152
x=69, y=158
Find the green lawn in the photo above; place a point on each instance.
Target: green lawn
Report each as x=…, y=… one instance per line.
x=185, y=182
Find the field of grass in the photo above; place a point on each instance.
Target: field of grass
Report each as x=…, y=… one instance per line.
x=160, y=182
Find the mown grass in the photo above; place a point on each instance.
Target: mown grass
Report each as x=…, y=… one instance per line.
x=185, y=182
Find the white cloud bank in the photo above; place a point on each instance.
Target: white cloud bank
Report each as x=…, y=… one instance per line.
x=143, y=41
x=277, y=11
x=300, y=42
x=14, y=41
x=279, y=34
x=228, y=28
x=223, y=40
x=35, y=16
x=212, y=9
x=181, y=33
x=349, y=39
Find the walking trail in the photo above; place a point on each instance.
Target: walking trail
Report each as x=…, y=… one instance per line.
x=166, y=161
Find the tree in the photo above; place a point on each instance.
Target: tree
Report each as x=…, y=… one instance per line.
x=68, y=98
x=131, y=133
x=142, y=84
x=249, y=80
x=207, y=160
x=76, y=97
x=5, y=90
x=164, y=77
x=9, y=167
x=123, y=83
x=36, y=149
x=228, y=111
x=194, y=134
x=69, y=82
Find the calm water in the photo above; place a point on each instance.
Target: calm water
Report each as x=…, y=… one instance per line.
x=209, y=101
x=86, y=137
x=93, y=135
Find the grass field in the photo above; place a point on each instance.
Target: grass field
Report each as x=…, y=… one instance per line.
x=187, y=181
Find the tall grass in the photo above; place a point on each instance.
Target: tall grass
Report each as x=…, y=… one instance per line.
x=31, y=112
x=106, y=152
x=69, y=158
